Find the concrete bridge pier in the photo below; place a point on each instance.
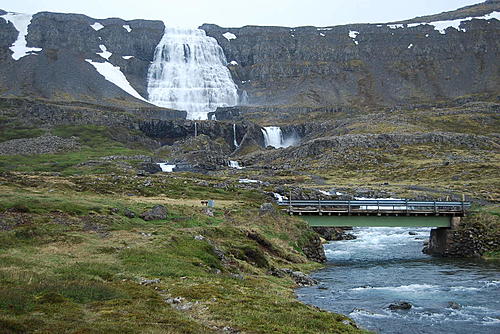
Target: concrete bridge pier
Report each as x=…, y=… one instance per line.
x=442, y=241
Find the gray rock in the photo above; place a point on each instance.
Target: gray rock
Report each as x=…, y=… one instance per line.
x=150, y=281
x=454, y=305
x=208, y=211
x=38, y=145
x=158, y=212
x=300, y=278
x=267, y=208
x=129, y=213
x=399, y=306
x=150, y=168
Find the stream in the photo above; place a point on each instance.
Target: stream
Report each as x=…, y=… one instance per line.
x=386, y=265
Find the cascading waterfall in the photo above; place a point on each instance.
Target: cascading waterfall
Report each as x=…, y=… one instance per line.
x=195, y=129
x=234, y=136
x=189, y=73
x=273, y=136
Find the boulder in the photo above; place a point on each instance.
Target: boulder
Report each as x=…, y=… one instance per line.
x=267, y=208
x=129, y=213
x=150, y=168
x=157, y=212
x=300, y=278
x=400, y=306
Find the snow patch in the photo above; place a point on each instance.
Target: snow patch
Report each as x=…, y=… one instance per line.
x=97, y=26
x=234, y=63
x=321, y=34
x=127, y=57
x=21, y=23
x=324, y=29
x=441, y=26
x=229, y=36
x=115, y=76
x=410, y=46
x=105, y=53
x=353, y=34
x=127, y=27
x=396, y=26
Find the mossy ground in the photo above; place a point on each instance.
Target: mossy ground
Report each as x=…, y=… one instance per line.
x=71, y=263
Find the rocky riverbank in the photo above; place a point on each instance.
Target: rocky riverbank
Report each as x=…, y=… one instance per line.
x=476, y=236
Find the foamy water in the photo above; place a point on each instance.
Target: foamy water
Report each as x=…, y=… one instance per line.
x=386, y=265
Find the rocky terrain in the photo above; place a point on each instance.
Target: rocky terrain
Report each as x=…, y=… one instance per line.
x=95, y=237
x=358, y=64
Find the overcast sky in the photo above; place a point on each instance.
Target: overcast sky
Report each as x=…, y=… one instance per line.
x=236, y=13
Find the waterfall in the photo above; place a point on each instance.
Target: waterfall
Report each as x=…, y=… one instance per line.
x=273, y=136
x=234, y=136
x=189, y=73
x=166, y=167
x=244, y=98
x=195, y=129
x=234, y=164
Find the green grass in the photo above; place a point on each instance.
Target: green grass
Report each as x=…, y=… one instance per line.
x=95, y=141
x=59, y=263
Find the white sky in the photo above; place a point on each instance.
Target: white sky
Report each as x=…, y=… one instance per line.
x=236, y=13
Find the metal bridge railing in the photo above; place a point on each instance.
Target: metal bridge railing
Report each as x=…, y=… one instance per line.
x=379, y=206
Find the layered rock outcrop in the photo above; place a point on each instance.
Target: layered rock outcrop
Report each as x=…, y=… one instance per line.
x=365, y=63
x=358, y=64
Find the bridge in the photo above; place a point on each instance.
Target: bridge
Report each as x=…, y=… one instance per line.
x=376, y=213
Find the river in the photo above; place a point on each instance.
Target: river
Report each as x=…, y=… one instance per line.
x=386, y=265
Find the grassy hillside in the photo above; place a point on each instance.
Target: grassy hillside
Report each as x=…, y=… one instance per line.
x=71, y=261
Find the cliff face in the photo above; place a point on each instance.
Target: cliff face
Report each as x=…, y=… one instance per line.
x=59, y=70
x=362, y=64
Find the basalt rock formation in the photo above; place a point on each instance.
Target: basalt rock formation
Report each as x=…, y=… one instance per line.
x=365, y=64
x=303, y=67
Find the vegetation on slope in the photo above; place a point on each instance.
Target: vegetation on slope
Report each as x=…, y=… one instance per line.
x=71, y=261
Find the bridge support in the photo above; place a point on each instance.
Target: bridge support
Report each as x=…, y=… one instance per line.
x=442, y=239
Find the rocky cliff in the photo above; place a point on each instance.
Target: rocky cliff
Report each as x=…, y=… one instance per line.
x=366, y=64
x=425, y=59
x=59, y=71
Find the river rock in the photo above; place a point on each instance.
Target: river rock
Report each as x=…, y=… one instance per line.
x=400, y=306
x=454, y=305
x=300, y=278
x=334, y=233
x=158, y=212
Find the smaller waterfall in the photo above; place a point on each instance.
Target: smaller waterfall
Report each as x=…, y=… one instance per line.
x=166, y=167
x=235, y=142
x=243, y=98
x=273, y=136
x=234, y=164
x=195, y=129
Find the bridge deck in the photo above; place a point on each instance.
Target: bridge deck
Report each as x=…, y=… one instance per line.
x=376, y=212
